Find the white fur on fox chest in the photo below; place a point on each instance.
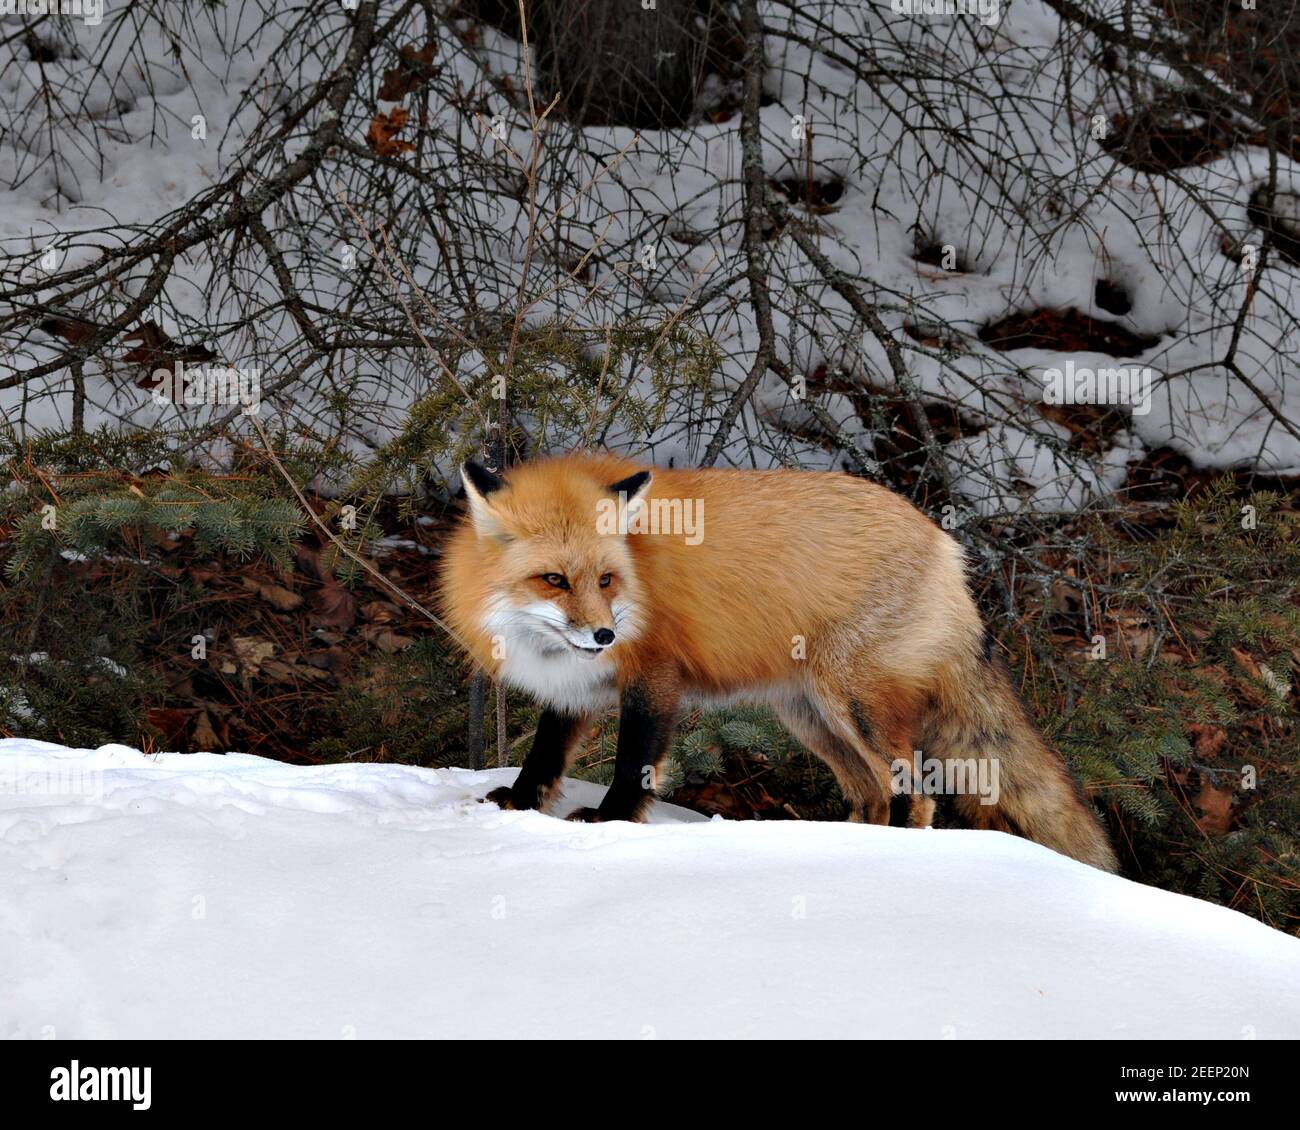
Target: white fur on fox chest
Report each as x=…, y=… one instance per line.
x=561, y=679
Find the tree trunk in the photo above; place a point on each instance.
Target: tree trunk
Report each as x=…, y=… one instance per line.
x=615, y=62
x=477, y=700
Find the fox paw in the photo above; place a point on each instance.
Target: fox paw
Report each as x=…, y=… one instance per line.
x=585, y=816
x=502, y=798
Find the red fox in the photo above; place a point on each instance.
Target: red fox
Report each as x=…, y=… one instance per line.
x=589, y=580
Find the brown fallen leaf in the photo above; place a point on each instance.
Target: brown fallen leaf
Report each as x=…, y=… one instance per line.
x=333, y=606
x=250, y=652
x=386, y=639
x=1247, y=662
x=1261, y=673
x=309, y=562
x=381, y=611
x=337, y=661
x=1215, y=805
x=1064, y=597
x=171, y=722
x=410, y=73
x=278, y=671
x=384, y=128
x=70, y=329
x=277, y=596
x=158, y=351
x=1138, y=640
x=1207, y=739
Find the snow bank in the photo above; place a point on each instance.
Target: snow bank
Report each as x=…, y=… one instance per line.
x=203, y=895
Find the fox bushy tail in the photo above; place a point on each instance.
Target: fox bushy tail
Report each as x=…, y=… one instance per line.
x=978, y=714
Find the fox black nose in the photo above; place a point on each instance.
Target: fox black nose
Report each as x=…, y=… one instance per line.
x=603, y=636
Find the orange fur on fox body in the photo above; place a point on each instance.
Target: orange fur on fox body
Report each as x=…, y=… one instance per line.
x=588, y=579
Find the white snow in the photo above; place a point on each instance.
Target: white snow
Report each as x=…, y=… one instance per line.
x=224, y=896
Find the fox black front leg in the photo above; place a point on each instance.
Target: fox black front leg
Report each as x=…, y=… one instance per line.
x=557, y=735
x=645, y=726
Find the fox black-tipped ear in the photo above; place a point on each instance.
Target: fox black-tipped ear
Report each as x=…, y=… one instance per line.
x=634, y=486
x=631, y=492
x=480, y=485
x=479, y=478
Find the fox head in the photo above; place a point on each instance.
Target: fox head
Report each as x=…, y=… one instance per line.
x=562, y=581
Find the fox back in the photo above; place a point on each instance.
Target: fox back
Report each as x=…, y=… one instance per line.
x=732, y=575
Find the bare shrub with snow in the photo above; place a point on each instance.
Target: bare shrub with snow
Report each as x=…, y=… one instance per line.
x=362, y=203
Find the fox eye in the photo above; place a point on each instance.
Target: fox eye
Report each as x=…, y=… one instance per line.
x=555, y=580
x=605, y=579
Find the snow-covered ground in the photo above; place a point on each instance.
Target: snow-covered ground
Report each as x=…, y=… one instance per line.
x=989, y=140
x=208, y=895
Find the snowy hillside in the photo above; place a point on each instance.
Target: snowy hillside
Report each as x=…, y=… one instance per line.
x=226, y=896
x=1013, y=170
